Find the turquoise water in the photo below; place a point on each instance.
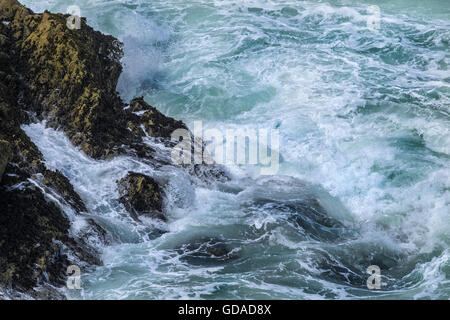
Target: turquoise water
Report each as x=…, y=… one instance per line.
x=364, y=120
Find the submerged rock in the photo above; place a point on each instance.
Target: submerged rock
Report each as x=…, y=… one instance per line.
x=141, y=196
x=92, y=237
x=311, y=217
x=155, y=123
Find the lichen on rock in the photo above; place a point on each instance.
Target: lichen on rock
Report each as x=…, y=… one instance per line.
x=141, y=196
x=5, y=156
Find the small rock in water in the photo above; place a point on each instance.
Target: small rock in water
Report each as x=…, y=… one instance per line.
x=141, y=196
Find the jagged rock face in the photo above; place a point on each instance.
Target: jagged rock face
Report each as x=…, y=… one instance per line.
x=206, y=251
x=30, y=227
x=62, y=186
x=35, y=244
x=67, y=77
x=155, y=123
x=70, y=78
x=141, y=196
x=34, y=239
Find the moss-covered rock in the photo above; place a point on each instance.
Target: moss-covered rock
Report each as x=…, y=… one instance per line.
x=141, y=196
x=54, y=179
x=35, y=244
x=71, y=78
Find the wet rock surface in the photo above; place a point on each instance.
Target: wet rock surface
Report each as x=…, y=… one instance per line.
x=67, y=77
x=5, y=156
x=155, y=123
x=92, y=237
x=35, y=242
x=62, y=186
x=206, y=251
x=141, y=196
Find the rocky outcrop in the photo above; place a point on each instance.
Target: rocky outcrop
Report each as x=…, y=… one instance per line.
x=5, y=156
x=68, y=78
x=141, y=196
x=33, y=230
x=206, y=251
x=46, y=72
x=155, y=123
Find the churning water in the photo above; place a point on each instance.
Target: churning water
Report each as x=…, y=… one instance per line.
x=364, y=122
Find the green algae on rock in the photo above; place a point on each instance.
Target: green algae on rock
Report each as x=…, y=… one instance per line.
x=35, y=242
x=155, y=123
x=67, y=78
x=70, y=76
x=141, y=196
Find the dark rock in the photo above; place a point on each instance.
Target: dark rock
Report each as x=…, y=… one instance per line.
x=205, y=251
x=70, y=78
x=32, y=234
x=335, y=271
x=5, y=156
x=155, y=123
x=35, y=244
x=67, y=77
x=100, y=232
x=62, y=186
x=209, y=172
x=141, y=196
x=92, y=238
x=310, y=216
